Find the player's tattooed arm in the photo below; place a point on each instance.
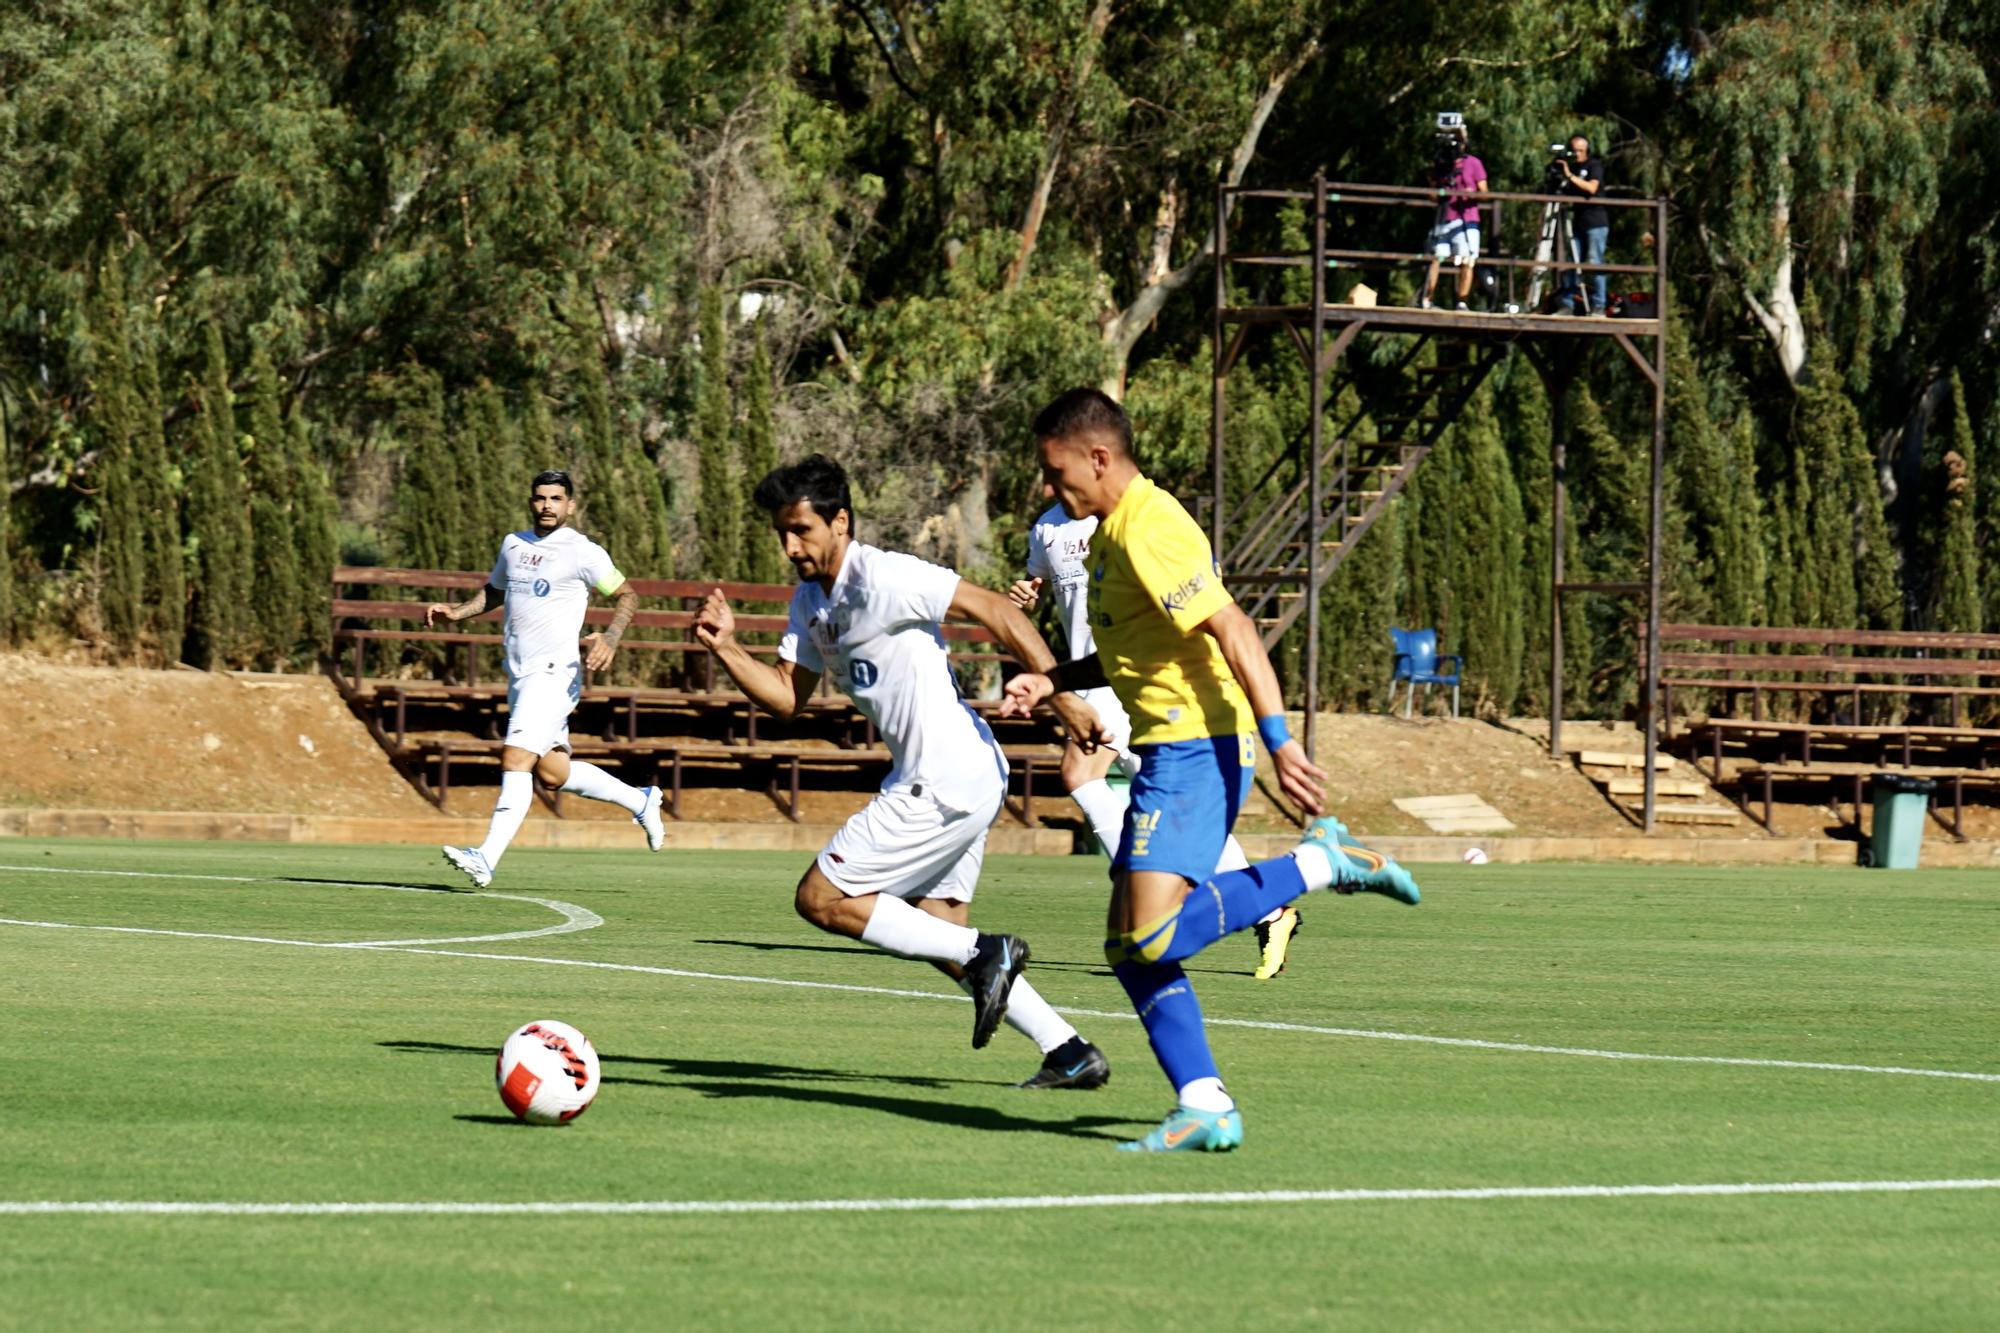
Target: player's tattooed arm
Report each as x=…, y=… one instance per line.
x=605, y=642
x=481, y=601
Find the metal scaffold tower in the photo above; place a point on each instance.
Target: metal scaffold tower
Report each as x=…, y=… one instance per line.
x=1283, y=540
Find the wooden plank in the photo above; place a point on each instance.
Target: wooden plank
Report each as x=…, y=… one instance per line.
x=1661, y=787
x=1496, y=823
x=1872, y=638
x=1417, y=805
x=1697, y=814
x=1622, y=759
x=1823, y=665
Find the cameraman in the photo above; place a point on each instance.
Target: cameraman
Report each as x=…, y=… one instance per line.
x=1590, y=222
x=1461, y=177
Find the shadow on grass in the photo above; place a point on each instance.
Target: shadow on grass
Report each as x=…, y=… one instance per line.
x=367, y=884
x=986, y=1118
x=732, y=1069
x=494, y=1120
x=1040, y=964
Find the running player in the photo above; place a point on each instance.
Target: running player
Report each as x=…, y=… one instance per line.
x=1059, y=553
x=1189, y=667
x=544, y=576
x=900, y=874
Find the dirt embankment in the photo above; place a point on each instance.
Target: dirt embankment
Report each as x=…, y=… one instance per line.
x=105, y=738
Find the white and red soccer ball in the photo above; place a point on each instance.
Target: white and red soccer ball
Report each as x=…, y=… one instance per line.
x=547, y=1073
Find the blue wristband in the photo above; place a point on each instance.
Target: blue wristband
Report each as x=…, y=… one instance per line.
x=1274, y=731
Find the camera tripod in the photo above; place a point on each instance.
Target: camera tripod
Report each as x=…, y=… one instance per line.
x=1552, y=242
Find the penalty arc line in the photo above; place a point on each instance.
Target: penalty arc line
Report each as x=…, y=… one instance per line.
x=1003, y=1203
x=1362, y=1034
x=585, y=920
x=574, y=918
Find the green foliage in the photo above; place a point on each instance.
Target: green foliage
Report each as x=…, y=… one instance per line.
x=430, y=500
x=276, y=604
x=115, y=420
x=217, y=518
x=314, y=515
x=1959, y=608
x=763, y=558
x=161, y=481
x=720, y=523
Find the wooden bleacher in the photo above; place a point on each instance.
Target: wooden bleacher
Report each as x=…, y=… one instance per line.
x=435, y=711
x=1831, y=707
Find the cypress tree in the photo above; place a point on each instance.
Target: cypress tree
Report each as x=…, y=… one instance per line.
x=114, y=418
x=1486, y=575
x=1738, y=549
x=6, y=502
x=314, y=515
x=208, y=526
x=501, y=481
x=275, y=598
x=608, y=506
x=719, y=519
x=763, y=558
x=430, y=502
x=160, y=503
x=1958, y=594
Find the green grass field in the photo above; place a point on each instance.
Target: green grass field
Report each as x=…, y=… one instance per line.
x=156, y=1066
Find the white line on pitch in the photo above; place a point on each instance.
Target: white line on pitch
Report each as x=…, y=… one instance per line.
x=1004, y=1203
x=1365, y=1034
x=574, y=918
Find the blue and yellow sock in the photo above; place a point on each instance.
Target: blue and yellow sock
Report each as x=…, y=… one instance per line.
x=1226, y=903
x=1171, y=1015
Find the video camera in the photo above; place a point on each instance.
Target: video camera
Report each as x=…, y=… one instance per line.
x=1555, y=177
x=1447, y=139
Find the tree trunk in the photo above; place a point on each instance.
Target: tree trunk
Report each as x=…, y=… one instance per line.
x=1045, y=179
x=1123, y=329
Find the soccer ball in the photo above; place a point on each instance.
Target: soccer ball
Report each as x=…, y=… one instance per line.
x=1474, y=856
x=547, y=1073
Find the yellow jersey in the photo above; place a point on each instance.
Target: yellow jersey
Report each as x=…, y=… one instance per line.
x=1153, y=579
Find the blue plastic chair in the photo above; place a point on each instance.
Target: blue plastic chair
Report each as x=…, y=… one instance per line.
x=1418, y=663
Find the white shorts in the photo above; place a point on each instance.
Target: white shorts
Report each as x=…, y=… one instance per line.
x=1455, y=240
x=909, y=846
x=538, y=709
x=1112, y=713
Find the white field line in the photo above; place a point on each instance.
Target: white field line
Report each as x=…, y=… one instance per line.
x=1363, y=1034
x=1015, y=1203
x=574, y=918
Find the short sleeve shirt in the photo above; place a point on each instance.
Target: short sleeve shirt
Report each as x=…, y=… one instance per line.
x=1059, y=555
x=1153, y=582
x=876, y=633
x=548, y=582
x=1586, y=214
x=1467, y=174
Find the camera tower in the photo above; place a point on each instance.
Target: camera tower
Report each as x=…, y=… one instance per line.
x=1282, y=538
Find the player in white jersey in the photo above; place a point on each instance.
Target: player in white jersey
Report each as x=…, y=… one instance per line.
x=1059, y=554
x=900, y=874
x=544, y=576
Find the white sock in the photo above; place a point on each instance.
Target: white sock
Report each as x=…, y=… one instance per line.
x=587, y=779
x=1030, y=1015
x=1207, y=1094
x=517, y=791
x=897, y=927
x=1315, y=866
x=1104, y=807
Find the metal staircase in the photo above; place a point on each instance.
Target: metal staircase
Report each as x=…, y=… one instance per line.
x=1410, y=407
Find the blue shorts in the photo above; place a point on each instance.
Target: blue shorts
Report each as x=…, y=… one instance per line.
x=1184, y=802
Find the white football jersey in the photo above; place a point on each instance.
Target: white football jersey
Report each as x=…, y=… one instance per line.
x=1058, y=554
x=877, y=630
x=548, y=581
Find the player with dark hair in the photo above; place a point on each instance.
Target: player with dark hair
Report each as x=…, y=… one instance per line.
x=1191, y=671
x=544, y=576
x=900, y=874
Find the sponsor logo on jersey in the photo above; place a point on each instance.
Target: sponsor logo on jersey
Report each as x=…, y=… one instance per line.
x=541, y=587
x=1173, y=601
x=862, y=672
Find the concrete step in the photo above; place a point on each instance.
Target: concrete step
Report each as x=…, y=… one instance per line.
x=1661, y=787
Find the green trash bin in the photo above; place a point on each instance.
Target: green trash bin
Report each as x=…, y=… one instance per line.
x=1901, y=804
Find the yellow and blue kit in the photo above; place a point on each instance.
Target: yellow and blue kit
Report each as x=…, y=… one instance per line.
x=1154, y=582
